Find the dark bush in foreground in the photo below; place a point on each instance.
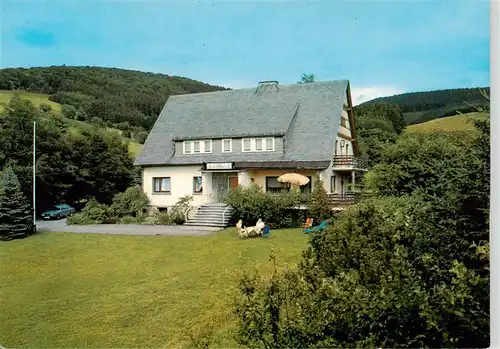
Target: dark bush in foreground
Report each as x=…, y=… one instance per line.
x=406, y=270
x=371, y=280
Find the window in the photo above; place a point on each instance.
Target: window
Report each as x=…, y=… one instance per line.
x=347, y=149
x=196, y=147
x=227, y=146
x=161, y=184
x=272, y=184
x=258, y=144
x=197, y=185
x=333, y=179
x=336, y=147
x=207, y=146
x=246, y=144
x=269, y=143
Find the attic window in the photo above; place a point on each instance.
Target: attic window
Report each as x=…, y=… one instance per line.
x=258, y=144
x=227, y=145
x=196, y=147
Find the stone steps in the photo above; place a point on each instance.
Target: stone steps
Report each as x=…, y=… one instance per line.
x=211, y=215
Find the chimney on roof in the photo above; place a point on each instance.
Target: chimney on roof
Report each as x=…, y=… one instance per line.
x=267, y=86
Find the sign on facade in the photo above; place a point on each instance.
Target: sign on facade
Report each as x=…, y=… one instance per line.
x=220, y=166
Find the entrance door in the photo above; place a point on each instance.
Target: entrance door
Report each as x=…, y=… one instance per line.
x=233, y=182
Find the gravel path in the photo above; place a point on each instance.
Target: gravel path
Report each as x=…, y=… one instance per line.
x=124, y=229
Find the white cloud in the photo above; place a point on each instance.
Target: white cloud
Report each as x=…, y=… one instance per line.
x=237, y=84
x=364, y=94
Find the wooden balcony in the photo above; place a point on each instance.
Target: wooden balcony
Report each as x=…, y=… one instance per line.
x=349, y=162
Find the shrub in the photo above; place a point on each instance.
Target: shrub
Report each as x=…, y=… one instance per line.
x=81, y=114
x=93, y=213
x=97, y=121
x=132, y=202
x=319, y=206
x=132, y=219
x=68, y=111
x=251, y=204
x=380, y=276
x=177, y=213
x=150, y=220
x=79, y=219
x=416, y=161
x=405, y=271
x=164, y=218
x=141, y=136
x=44, y=107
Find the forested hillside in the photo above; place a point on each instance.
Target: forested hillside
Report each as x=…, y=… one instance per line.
x=419, y=107
x=121, y=98
x=75, y=161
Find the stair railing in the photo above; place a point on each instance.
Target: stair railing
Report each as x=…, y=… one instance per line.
x=186, y=213
x=224, y=214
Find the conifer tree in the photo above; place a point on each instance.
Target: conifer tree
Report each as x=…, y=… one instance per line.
x=15, y=212
x=319, y=203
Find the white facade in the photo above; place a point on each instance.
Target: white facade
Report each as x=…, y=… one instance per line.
x=181, y=184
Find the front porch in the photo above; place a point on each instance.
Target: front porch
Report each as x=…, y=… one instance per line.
x=218, y=183
x=339, y=185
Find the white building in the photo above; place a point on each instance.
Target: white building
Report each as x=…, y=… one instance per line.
x=204, y=144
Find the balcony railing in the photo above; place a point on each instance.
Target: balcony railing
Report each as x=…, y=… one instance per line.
x=343, y=199
x=349, y=198
x=349, y=162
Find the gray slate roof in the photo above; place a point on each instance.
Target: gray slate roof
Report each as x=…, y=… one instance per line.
x=307, y=114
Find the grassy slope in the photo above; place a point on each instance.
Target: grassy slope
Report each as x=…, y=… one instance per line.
x=103, y=291
x=37, y=98
x=450, y=123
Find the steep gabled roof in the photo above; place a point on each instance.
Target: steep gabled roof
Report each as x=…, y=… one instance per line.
x=308, y=115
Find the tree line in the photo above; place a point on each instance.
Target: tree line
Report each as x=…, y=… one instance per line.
x=71, y=166
x=424, y=101
x=116, y=96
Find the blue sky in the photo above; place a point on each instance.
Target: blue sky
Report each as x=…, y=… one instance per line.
x=383, y=48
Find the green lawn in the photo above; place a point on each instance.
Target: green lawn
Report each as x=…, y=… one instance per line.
x=35, y=98
x=102, y=291
x=450, y=123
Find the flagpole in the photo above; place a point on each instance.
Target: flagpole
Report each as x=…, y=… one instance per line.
x=34, y=176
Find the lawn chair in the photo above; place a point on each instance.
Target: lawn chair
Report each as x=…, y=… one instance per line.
x=320, y=227
x=308, y=223
x=266, y=232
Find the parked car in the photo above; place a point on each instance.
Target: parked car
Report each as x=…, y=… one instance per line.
x=58, y=212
